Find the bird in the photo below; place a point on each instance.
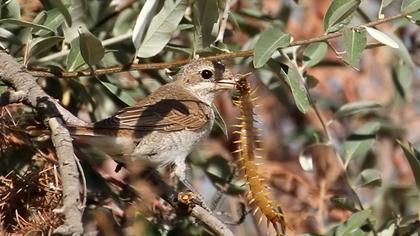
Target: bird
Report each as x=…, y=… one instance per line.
x=165, y=126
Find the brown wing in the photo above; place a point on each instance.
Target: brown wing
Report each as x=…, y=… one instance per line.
x=169, y=109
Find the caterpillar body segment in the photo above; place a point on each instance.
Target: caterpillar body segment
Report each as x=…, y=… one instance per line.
x=259, y=194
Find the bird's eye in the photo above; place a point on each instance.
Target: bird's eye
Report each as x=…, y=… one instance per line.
x=206, y=74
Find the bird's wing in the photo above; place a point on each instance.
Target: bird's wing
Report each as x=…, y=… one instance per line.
x=163, y=115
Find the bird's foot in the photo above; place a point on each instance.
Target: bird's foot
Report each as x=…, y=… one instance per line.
x=192, y=196
x=179, y=172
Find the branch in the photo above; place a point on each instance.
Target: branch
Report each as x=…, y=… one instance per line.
x=223, y=20
x=15, y=76
x=171, y=196
x=154, y=66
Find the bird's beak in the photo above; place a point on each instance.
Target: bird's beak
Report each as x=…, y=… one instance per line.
x=225, y=84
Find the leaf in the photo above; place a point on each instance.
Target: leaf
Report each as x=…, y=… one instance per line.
x=415, y=17
x=220, y=122
x=413, y=158
x=403, y=52
x=90, y=47
x=410, y=5
x=354, y=43
x=337, y=12
x=143, y=20
x=402, y=77
x=123, y=23
x=385, y=3
x=381, y=37
x=355, y=108
x=269, y=41
x=22, y=23
x=356, y=220
x=177, y=48
x=74, y=59
x=218, y=169
x=9, y=36
x=161, y=28
x=344, y=202
x=314, y=53
x=360, y=142
x=370, y=178
x=41, y=45
x=53, y=20
x=118, y=92
x=10, y=9
x=295, y=82
x=206, y=14
x=63, y=10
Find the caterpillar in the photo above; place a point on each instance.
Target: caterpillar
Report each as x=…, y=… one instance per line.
x=259, y=194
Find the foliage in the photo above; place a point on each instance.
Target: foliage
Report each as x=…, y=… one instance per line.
x=339, y=128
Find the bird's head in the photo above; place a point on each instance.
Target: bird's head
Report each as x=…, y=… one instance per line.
x=205, y=78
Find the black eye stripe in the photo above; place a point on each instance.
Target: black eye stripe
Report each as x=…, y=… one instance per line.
x=206, y=74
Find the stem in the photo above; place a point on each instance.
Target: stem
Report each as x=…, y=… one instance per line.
x=153, y=66
x=223, y=23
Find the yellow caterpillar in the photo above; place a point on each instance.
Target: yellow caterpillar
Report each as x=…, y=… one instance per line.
x=259, y=194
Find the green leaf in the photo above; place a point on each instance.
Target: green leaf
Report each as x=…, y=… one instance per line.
x=123, y=22
x=295, y=82
x=353, y=224
x=269, y=41
x=385, y=3
x=402, y=78
x=40, y=45
x=415, y=18
x=118, y=92
x=355, y=108
x=177, y=48
x=314, y=53
x=403, y=52
x=74, y=59
x=22, y=23
x=410, y=5
x=53, y=20
x=63, y=10
x=354, y=43
x=413, y=158
x=370, y=178
x=143, y=20
x=90, y=47
x=161, y=28
x=361, y=141
x=344, y=202
x=206, y=14
x=218, y=169
x=10, y=9
x=381, y=37
x=338, y=12
x=9, y=36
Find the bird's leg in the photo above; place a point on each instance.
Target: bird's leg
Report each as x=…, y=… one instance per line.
x=179, y=172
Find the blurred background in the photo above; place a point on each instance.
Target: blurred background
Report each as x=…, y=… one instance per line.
x=323, y=181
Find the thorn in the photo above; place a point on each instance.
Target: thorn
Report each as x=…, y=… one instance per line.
x=260, y=220
x=255, y=211
x=251, y=201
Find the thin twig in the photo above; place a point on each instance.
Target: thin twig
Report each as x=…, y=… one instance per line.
x=39, y=72
x=223, y=20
